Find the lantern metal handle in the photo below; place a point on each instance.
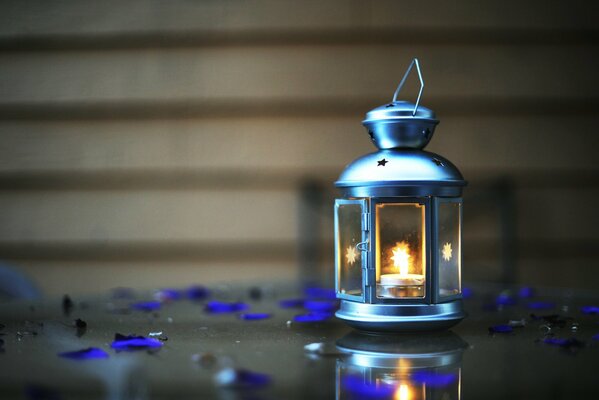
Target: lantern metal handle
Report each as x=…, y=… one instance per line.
x=403, y=81
x=362, y=246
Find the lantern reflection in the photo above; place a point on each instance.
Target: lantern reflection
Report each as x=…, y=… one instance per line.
x=406, y=367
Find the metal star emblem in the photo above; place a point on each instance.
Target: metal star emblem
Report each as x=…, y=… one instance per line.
x=382, y=162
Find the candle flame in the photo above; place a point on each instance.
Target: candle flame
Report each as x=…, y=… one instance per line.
x=401, y=257
x=403, y=392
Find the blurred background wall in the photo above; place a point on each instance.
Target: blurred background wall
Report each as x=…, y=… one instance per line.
x=155, y=143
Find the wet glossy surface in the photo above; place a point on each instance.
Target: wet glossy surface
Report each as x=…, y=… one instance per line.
x=204, y=350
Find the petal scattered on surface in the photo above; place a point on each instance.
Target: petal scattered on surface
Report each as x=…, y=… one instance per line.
x=254, y=316
x=526, y=292
x=219, y=307
x=315, y=293
x=84, y=354
x=540, y=305
x=241, y=379
x=197, y=292
x=501, y=329
x=291, y=303
x=312, y=317
x=590, y=310
x=132, y=342
x=321, y=305
x=565, y=343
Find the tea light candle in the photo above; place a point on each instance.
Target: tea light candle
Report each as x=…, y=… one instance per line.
x=402, y=280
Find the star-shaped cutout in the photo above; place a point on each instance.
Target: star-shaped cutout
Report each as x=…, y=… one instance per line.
x=382, y=162
x=350, y=255
x=447, y=252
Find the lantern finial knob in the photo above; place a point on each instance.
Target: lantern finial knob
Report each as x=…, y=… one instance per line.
x=401, y=124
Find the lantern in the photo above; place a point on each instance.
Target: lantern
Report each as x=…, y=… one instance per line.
x=402, y=367
x=398, y=226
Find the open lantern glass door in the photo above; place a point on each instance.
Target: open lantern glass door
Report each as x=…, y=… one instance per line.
x=398, y=227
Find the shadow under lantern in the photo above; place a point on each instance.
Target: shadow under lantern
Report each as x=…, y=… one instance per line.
x=398, y=227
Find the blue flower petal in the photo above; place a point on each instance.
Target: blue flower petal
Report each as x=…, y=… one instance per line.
x=312, y=317
x=321, y=305
x=168, y=295
x=254, y=316
x=219, y=307
x=315, y=292
x=501, y=329
x=291, y=303
x=132, y=342
x=526, y=292
x=146, y=306
x=540, y=305
x=434, y=379
x=590, y=310
x=467, y=293
x=241, y=379
x=84, y=354
x=197, y=292
x=595, y=337
x=565, y=343
x=505, y=300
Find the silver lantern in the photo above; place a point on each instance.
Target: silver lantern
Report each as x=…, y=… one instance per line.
x=398, y=227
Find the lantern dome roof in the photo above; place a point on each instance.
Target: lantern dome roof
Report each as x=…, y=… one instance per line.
x=400, y=167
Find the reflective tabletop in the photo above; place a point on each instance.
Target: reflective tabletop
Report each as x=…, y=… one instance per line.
x=279, y=342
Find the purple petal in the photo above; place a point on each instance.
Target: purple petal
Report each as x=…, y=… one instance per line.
x=168, y=295
x=501, y=329
x=526, y=292
x=219, y=307
x=132, y=342
x=321, y=305
x=146, y=306
x=467, y=293
x=312, y=317
x=314, y=292
x=85, y=354
x=291, y=303
x=565, y=343
x=254, y=316
x=241, y=378
x=358, y=387
x=590, y=310
x=434, y=379
x=197, y=292
x=505, y=300
x=540, y=305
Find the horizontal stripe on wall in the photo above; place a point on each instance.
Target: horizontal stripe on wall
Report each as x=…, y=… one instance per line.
x=281, y=72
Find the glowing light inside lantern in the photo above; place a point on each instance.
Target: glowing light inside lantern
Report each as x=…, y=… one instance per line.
x=350, y=255
x=401, y=257
x=402, y=392
x=447, y=252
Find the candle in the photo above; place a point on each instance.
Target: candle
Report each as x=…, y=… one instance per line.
x=402, y=279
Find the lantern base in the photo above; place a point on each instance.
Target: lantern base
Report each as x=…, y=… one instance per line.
x=401, y=318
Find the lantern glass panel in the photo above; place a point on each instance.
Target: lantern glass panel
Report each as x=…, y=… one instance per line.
x=449, y=251
x=400, y=250
x=349, y=258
